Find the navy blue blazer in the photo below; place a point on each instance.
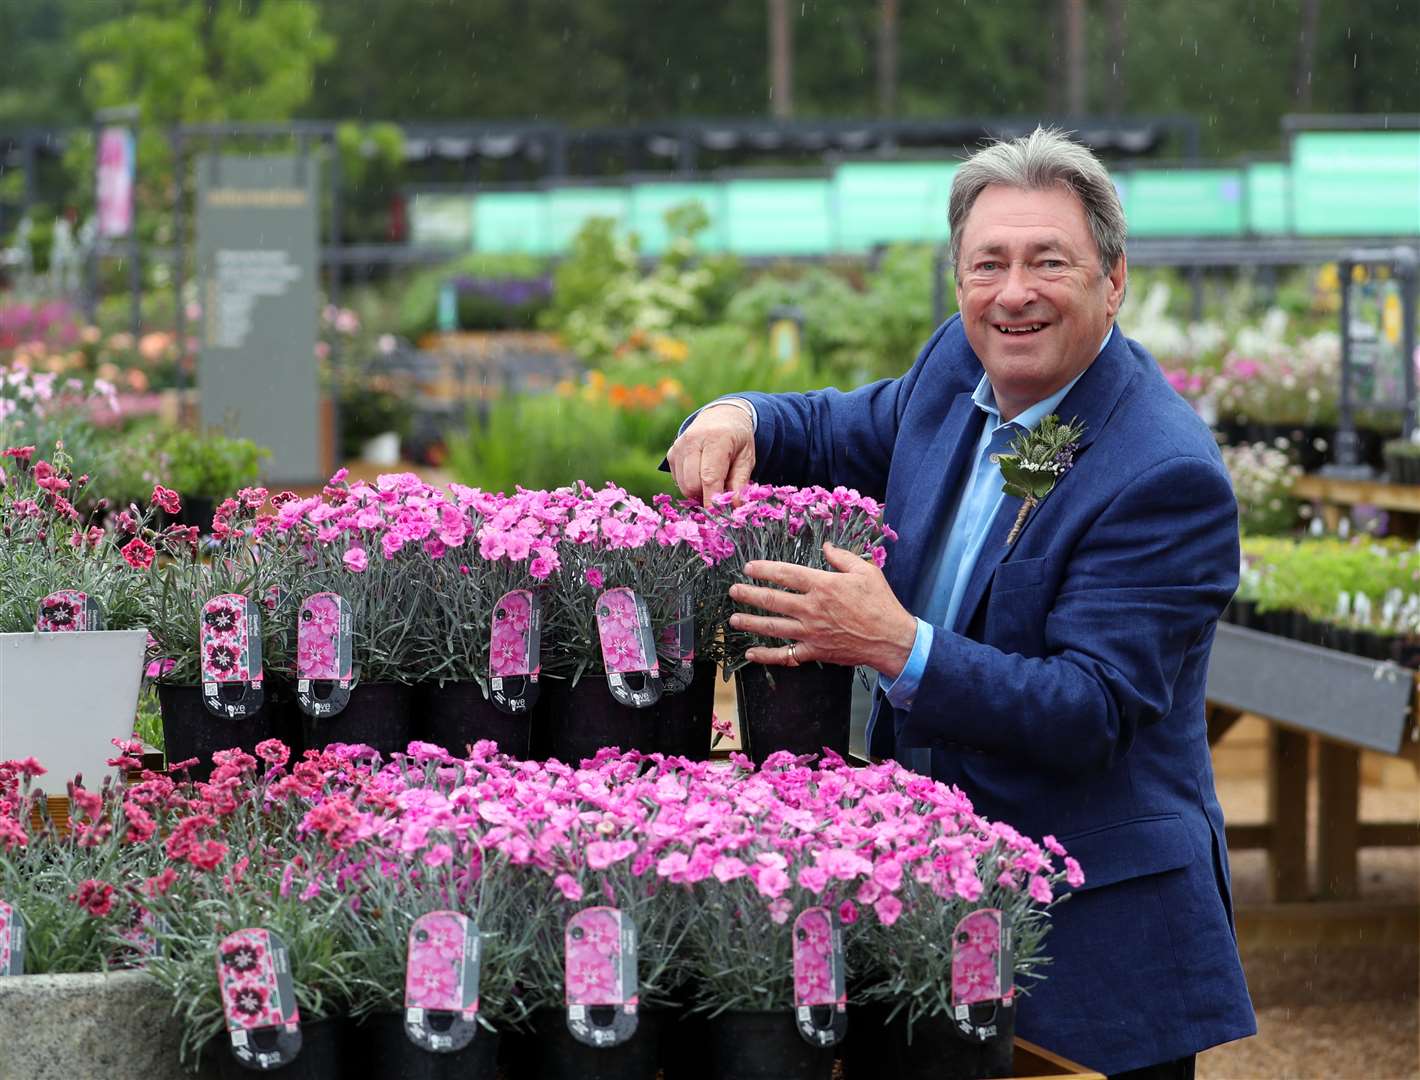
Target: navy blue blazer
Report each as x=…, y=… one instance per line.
x=1069, y=696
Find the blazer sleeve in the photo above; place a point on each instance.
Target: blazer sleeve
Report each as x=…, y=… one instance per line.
x=832, y=437
x=1143, y=588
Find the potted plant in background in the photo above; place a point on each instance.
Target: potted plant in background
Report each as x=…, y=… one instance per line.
x=206, y=467
x=806, y=708
x=1402, y=461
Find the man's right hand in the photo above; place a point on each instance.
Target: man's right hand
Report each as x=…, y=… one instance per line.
x=715, y=453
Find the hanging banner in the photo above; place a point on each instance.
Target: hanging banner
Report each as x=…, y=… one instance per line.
x=116, y=158
x=258, y=260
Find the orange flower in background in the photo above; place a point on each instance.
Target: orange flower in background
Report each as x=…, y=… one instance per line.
x=152, y=346
x=669, y=348
x=619, y=395
x=137, y=380
x=120, y=342
x=90, y=335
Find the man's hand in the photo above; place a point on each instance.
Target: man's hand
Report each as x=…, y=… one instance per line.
x=714, y=454
x=846, y=617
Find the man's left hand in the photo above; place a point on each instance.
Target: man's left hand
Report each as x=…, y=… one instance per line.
x=847, y=615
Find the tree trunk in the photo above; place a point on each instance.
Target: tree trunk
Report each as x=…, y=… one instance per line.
x=1075, y=71
x=781, y=60
x=1308, y=16
x=1118, y=42
x=887, y=59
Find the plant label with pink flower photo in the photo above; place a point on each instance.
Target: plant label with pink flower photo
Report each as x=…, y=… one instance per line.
x=820, y=985
x=983, y=979
x=441, y=982
x=628, y=648
x=68, y=610
x=515, y=651
x=12, y=941
x=230, y=646
x=138, y=934
x=602, y=992
x=324, y=652
x=258, y=998
x=677, y=642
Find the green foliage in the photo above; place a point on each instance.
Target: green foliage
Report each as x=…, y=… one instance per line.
x=602, y=298
x=856, y=334
x=210, y=463
x=419, y=305
x=548, y=441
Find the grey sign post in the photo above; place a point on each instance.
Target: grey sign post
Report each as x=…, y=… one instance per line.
x=257, y=260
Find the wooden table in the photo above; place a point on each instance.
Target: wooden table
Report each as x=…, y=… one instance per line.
x=1346, y=704
x=1334, y=493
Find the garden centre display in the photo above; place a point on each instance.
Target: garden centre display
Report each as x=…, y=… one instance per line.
x=439, y=903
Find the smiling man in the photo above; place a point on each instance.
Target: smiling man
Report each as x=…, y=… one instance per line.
x=1049, y=659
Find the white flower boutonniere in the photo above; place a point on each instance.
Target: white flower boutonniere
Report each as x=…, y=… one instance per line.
x=1037, y=460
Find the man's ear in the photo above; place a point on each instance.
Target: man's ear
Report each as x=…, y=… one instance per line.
x=1118, y=278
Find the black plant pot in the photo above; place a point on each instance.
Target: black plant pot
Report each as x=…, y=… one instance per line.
x=389, y=1054
x=869, y=1048
x=684, y=727
x=765, y=1046
x=379, y=714
x=1276, y=622
x=553, y=1054
x=936, y=1052
x=582, y=719
x=319, y=1058
x=197, y=510
x=802, y=709
x=684, y=1041
x=190, y=731
x=1243, y=612
x=455, y=715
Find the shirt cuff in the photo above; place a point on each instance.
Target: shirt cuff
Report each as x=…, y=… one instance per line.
x=740, y=403
x=900, y=691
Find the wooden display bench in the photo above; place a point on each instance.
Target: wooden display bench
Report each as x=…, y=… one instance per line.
x=1347, y=704
x=1335, y=493
x=1036, y=1063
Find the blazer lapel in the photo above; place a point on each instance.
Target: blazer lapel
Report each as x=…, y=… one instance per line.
x=920, y=517
x=1091, y=402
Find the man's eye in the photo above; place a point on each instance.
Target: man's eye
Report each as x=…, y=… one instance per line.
x=1053, y=264
x=987, y=267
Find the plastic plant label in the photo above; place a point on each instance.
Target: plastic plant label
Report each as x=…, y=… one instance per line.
x=258, y=998
x=515, y=651
x=820, y=990
x=678, y=641
x=601, y=983
x=68, y=610
x=628, y=648
x=324, y=651
x=441, y=982
x=138, y=935
x=982, y=974
x=12, y=941
x=230, y=646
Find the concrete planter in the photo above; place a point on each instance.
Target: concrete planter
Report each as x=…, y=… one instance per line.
x=118, y=1026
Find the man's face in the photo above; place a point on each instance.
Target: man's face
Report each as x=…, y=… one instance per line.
x=1034, y=299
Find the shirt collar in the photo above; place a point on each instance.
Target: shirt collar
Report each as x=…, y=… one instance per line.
x=984, y=398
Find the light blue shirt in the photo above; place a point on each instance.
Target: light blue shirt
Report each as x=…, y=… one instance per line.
x=970, y=522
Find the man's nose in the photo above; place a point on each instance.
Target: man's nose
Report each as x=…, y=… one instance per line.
x=1018, y=289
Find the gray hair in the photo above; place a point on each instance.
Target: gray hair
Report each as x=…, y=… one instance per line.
x=1045, y=158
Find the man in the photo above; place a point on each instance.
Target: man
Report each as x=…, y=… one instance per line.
x=1057, y=676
